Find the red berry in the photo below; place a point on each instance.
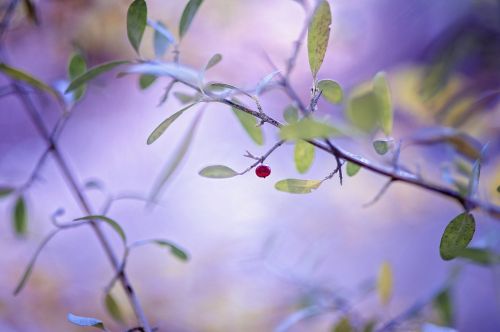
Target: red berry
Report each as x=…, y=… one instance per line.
x=263, y=171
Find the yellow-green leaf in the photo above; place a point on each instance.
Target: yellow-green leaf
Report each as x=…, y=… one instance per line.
x=218, y=172
x=382, y=146
x=343, y=325
x=174, y=249
x=19, y=217
x=116, y=227
x=306, y=129
x=188, y=15
x=93, y=73
x=291, y=114
x=383, y=96
x=457, y=235
x=303, y=156
x=137, y=16
x=318, y=35
x=331, y=91
x=297, y=186
x=165, y=124
x=352, y=168
x=76, y=67
x=20, y=75
x=250, y=124
x=113, y=308
x=385, y=283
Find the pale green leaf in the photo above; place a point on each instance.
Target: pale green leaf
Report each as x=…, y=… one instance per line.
x=137, y=16
x=362, y=110
x=457, y=235
x=331, y=91
x=218, y=172
x=383, y=96
x=479, y=256
x=76, y=67
x=382, y=146
x=306, y=129
x=165, y=124
x=214, y=60
x=175, y=250
x=385, y=283
x=185, y=98
x=113, y=308
x=86, y=321
x=146, y=80
x=93, y=73
x=116, y=227
x=20, y=217
x=343, y=325
x=20, y=75
x=188, y=15
x=318, y=35
x=444, y=306
x=250, y=124
x=291, y=114
x=297, y=186
x=352, y=168
x=303, y=156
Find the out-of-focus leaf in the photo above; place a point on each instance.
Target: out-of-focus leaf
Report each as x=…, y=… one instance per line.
x=171, y=69
x=479, y=256
x=385, y=283
x=382, y=146
x=362, y=110
x=250, y=124
x=146, y=80
x=474, y=179
x=31, y=11
x=76, y=67
x=343, y=325
x=303, y=156
x=20, y=217
x=165, y=124
x=370, y=326
x=162, y=37
x=457, y=235
x=306, y=129
x=86, y=321
x=383, y=96
x=297, y=186
x=174, y=163
x=93, y=73
x=137, y=16
x=352, y=169
x=218, y=172
x=188, y=15
x=20, y=75
x=6, y=191
x=291, y=114
x=175, y=250
x=331, y=91
x=113, y=308
x=185, y=98
x=116, y=226
x=264, y=82
x=214, y=60
x=318, y=35
x=444, y=307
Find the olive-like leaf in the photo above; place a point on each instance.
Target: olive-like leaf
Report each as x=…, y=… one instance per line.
x=306, y=129
x=20, y=217
x=250, y=124
x=218, y=172
x=162, y=37
x=352, y=168
x=113, y=308
x=214, y=60
x=444, y=306
x=303, y=156
x=188, y=15
x=165, y=124
x=76, y=67
x=137, y=16
x=93, y=73
x=382, y=146
x=175, y=250
x=146, y=80
x=297, y=186
x=318, y=35
x=479, y=255
x=457, y=235
x=385, y=283
x=6, y=191
x=291, y=114
x=343, y=325
x=20, y=75
x=86, y=321
x=383, y=96
x=116, y=226
x=331, y=91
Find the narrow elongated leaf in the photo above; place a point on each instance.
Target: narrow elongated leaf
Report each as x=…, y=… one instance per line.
x=384, y=283
x=250, y=124
x=352, y=169
x=383, y=96
x=175, y=250
x=6, y=191
x=137, y=16
x=19, y=217
x=218, y=172
x=297, y=186
x=76, y=67
x=93, y=73
x=165, y=124
x=86, y=321
x=214, y=60
x=307, y=129
x=479, y=256
x=188, y=15
x=444, y=306
x=146, y=80
x=331, y=91
x=343, y=325
x=457, y=235
x=113, y=308
x=291, y=114
x=162, y=38
x=474, y=179
x=118, y=229
x=303, y=156
x=318, y=35
x=20, y=75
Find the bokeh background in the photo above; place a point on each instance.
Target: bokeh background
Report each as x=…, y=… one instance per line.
x=257, y=255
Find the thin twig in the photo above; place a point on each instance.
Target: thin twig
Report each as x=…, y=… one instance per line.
x=264, y=157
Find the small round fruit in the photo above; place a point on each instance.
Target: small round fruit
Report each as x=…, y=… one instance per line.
x=263, y=171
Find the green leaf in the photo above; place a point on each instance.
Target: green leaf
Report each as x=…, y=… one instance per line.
x=498, y=189
x=137, y=16
x=352, y=168
x=291, y=114
x=162, y=37
x=214, y=60
x=19, y=217
x=385, y=283
x=370, y=326
x=6, y=191
x=306, y=129
x=188, y=15
x=318, y=35
x=165, y=124
x=382, y=146
x=362, y=110
x=250, y=124
x=93, y=73
x=303, y=156
x=118, y=229
x=218, y=172
x=86, y=321
x=479, y=256
x=113, y=308
x=383, y=97
x=297, y=186
x=146, y=80
x=20, y=75
x=185, y=98
x=76, y=67
x=444, y=306
x=343, y=325
x=457, y=235
x=331, y=91
x=174, y=249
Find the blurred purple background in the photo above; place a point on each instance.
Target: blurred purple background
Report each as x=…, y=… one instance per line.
x=256, y=252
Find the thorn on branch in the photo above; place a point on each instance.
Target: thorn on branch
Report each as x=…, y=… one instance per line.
x=380, y=193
